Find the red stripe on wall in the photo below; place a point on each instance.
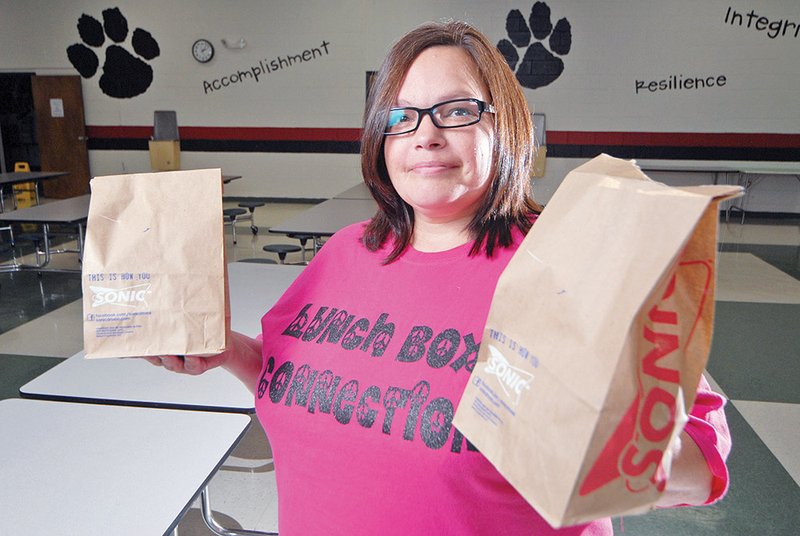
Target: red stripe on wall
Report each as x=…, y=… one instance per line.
x=118, y=132
x=558, y=137
x=232, y=133
x=674, y=139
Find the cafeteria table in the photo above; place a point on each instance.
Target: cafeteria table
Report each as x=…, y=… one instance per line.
x=254, y=288
x=19, y=177
x=753, y=174
x=744, y=174
x=359, y=191
x=71, y=211
x=327, y=217
x=135, y=382
x=97, y=470
x=717, y=171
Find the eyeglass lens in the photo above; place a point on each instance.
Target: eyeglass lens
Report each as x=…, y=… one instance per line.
x=451, y=114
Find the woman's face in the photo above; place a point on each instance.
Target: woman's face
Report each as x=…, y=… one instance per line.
x=442, y=173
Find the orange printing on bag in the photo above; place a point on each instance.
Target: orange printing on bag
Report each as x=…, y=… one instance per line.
x=636, y=448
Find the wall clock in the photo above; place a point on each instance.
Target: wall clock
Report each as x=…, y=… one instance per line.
x=203, y=50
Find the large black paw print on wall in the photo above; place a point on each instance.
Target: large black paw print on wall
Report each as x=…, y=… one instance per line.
x=124, y=75
x=540, y=66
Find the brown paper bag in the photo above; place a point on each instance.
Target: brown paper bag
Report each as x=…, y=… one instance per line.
x=598, y=333
x=153, y=265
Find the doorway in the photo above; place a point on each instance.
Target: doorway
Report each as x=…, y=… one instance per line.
x=17, y=122
x=42, y=123
x=61, y=133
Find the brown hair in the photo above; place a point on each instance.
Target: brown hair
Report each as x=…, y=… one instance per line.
x=509, y=202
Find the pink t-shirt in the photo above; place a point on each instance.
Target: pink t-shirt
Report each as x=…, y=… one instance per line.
x=364, y=364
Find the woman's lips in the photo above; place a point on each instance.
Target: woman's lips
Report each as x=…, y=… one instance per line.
x=431, y=167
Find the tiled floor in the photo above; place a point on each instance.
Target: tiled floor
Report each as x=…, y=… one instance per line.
x=755, y=361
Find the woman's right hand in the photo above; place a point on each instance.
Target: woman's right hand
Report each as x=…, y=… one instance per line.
x=189, y=364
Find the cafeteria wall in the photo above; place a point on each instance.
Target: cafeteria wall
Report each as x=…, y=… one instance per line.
x=657, y=81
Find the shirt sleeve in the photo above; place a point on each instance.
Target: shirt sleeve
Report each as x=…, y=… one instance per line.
x=708, y=427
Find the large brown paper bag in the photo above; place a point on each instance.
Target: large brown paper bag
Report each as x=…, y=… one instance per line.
x=153, y=265
x=597, y=336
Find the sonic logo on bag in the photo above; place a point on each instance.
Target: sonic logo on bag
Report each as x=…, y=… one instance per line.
x=133, y=296
x=513, y=380
x=635, y=450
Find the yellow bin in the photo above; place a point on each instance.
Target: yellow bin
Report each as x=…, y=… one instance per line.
x=24, y=192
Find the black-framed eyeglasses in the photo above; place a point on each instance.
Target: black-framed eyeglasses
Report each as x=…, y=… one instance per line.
x=448, y=114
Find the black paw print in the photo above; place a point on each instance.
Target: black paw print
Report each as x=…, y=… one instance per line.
x=124, y=75
x=540, y=66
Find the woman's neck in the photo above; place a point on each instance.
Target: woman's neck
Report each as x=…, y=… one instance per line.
x=432, y=236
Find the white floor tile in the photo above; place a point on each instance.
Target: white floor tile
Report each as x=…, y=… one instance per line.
x=746, y=278
x=775, y=235
x=778, y=426
x=59, y=333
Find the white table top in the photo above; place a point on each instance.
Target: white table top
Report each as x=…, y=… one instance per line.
x=72, y=210
x=690, y=168
x=328, y=217
x=770, y=170
x=15, y=177
x=135, y=382
x=765, y=168
x=253, y=290
x=97, y=470
x=359, y=191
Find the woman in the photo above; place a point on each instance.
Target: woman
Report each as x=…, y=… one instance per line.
x=366, y=355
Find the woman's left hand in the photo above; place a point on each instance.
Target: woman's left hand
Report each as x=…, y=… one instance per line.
x=690, y=478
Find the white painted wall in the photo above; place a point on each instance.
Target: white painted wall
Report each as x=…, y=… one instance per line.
x=615, y=43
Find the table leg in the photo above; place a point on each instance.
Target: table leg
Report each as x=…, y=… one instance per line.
x=46, y=229
x=744, y=180
x=216, y=528
x=80, y=242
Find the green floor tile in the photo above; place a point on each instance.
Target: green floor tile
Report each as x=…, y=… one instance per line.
x=756, y=351
x=26, y=295
x=784, y=258
x=17, y=370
